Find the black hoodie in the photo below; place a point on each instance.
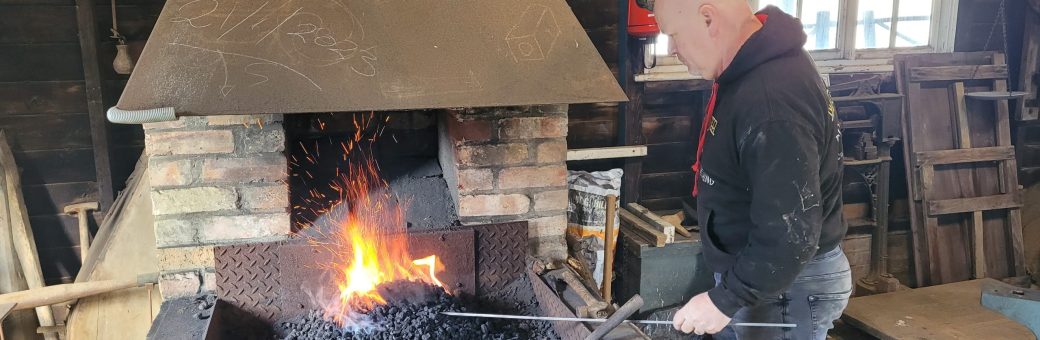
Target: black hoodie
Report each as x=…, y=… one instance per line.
x=769, y=187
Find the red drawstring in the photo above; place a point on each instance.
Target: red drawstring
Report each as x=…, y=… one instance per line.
x=708, y=116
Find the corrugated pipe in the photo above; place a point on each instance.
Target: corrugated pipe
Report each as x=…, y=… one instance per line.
x=120, y=116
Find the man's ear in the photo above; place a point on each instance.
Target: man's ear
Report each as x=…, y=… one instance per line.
x=710, y=13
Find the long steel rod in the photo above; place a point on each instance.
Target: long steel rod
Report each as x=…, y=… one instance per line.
x=655, y=322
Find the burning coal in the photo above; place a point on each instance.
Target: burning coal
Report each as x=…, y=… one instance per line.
x=364, y=227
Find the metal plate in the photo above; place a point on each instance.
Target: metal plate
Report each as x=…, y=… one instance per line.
x=247, y=57
x=501, y=255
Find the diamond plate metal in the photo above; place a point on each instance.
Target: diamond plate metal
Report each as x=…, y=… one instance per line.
x=248, y=278
x=501, y=255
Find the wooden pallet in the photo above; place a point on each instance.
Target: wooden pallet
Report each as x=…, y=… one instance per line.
x=962, y=170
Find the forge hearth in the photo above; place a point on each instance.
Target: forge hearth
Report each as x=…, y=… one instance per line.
x=278, y=288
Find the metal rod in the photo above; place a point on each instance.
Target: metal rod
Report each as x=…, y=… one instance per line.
x=655, y=322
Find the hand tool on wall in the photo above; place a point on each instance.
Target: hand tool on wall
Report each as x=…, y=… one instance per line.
x=81, y=211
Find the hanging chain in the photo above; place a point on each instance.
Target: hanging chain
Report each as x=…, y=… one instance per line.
x=1001, y=20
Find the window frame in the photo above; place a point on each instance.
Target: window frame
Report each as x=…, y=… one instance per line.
x=845, y=57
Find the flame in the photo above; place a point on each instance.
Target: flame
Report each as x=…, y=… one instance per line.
x=369, y=238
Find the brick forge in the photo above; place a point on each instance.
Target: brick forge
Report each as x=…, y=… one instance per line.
x=214, y=180
x=221, y=180
x=509, y=164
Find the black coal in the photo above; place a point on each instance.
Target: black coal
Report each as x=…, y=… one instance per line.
x=413, y=311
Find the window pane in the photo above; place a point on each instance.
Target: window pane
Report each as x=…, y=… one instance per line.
x=875, y=23
x=787, y=6
x=820, y=19
x=914, y=26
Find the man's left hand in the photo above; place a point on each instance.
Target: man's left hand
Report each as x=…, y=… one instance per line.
x=700, y=316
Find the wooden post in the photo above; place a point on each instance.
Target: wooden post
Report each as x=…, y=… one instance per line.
x=24, y=241
x=609, y=248
x=95, y=106
x=632, y=123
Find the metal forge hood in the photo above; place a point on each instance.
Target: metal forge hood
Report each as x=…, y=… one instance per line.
x=209, y=57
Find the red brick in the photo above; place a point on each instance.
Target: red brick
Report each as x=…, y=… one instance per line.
x=261, y=120
x=186, y=258
x=550, y=200
x=170, y=173
x=267, y=168
x=189, y=142
x=533, y=127
x=175, y=285
x=532, y=177
x=468, y=130
x=552, y=152
x=493, y=205
x=475, y=180
x=487, y=155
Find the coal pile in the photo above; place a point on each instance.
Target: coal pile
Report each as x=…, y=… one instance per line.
x=413, y=311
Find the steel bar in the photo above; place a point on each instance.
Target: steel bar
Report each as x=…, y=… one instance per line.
x=655, y=322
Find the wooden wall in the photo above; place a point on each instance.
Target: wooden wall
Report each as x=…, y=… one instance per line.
x=43, y=108
x=975, y=21
x=670, y=120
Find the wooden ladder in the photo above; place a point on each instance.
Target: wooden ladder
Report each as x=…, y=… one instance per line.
x=1003, y=153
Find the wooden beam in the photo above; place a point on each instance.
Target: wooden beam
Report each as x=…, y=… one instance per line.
x=668, y=229
x=630, y=222
x=964, y=205
x=987, y=154
x=613, y=152
x=631, y=115
x=958, y=73
x=95, y=106
x=22, y=233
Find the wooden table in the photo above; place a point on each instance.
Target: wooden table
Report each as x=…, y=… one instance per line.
x=949, y=311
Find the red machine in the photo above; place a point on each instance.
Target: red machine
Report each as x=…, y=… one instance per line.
x=641, y=22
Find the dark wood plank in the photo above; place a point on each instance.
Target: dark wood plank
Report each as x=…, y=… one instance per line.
x=591, y=134
x=963, y=205
x=592, y=112
x=669, y=157
x=55, y=231
x=135, y=20
x=958, y=73
x=42, y=97
x=47, y=132
x=88, y=39
x=666, y=185
x=51, y=199
x=670, y=203
x=40, y=62
x=658, y=130
x=59, y=265
x=56, y=166
x=985, y=154
x=37, y=24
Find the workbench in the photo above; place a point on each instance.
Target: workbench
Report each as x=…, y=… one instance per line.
x=949, y=311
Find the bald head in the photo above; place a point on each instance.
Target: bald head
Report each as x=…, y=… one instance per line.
x=706, y=34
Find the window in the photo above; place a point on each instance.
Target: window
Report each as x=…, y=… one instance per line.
x=850, y=35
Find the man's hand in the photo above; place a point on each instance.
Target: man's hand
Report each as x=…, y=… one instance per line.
x=700, y=316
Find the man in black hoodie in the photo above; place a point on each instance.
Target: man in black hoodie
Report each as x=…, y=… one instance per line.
x=768, y=171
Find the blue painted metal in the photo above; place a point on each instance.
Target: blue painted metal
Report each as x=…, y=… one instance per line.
x=1019, y=304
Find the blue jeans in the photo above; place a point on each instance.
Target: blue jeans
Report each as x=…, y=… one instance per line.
x=816, y=298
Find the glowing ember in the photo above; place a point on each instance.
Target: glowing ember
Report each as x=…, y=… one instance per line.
x=367, y=233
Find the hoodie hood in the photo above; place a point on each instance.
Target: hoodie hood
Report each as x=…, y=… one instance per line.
x=779, y=35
